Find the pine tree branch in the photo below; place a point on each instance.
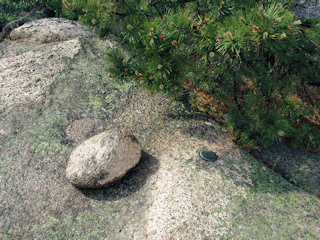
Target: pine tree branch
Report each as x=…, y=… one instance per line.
x=302, y=32
x=315, y=84
x=113, y=13
x=155, y=5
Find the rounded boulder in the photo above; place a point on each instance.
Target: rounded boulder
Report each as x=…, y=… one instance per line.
x=103, y=159
x=48, y=30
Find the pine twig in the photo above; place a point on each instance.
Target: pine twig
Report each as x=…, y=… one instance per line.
x=302, y=32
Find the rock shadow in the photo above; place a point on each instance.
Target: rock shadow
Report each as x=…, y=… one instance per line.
x=299, y=167
x=133, y=181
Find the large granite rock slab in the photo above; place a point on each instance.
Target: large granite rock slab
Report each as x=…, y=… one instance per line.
x=102, y=159
x=29, y=65
x=48, y=30
x=308, y=8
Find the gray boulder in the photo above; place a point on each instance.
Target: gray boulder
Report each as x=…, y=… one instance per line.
x=48, y=30
x=308, y=8
x=103, y=159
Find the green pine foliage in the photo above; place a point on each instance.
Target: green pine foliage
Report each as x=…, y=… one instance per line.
x=10, y=9
x=242, y=61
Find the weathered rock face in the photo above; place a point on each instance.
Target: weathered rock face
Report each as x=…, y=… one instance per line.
x=79, y=129
x=308, y=8
x=50, y=30
x=103, y=159
x=29, y=67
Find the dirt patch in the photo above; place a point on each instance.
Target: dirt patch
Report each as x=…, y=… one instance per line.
x=171, y=194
